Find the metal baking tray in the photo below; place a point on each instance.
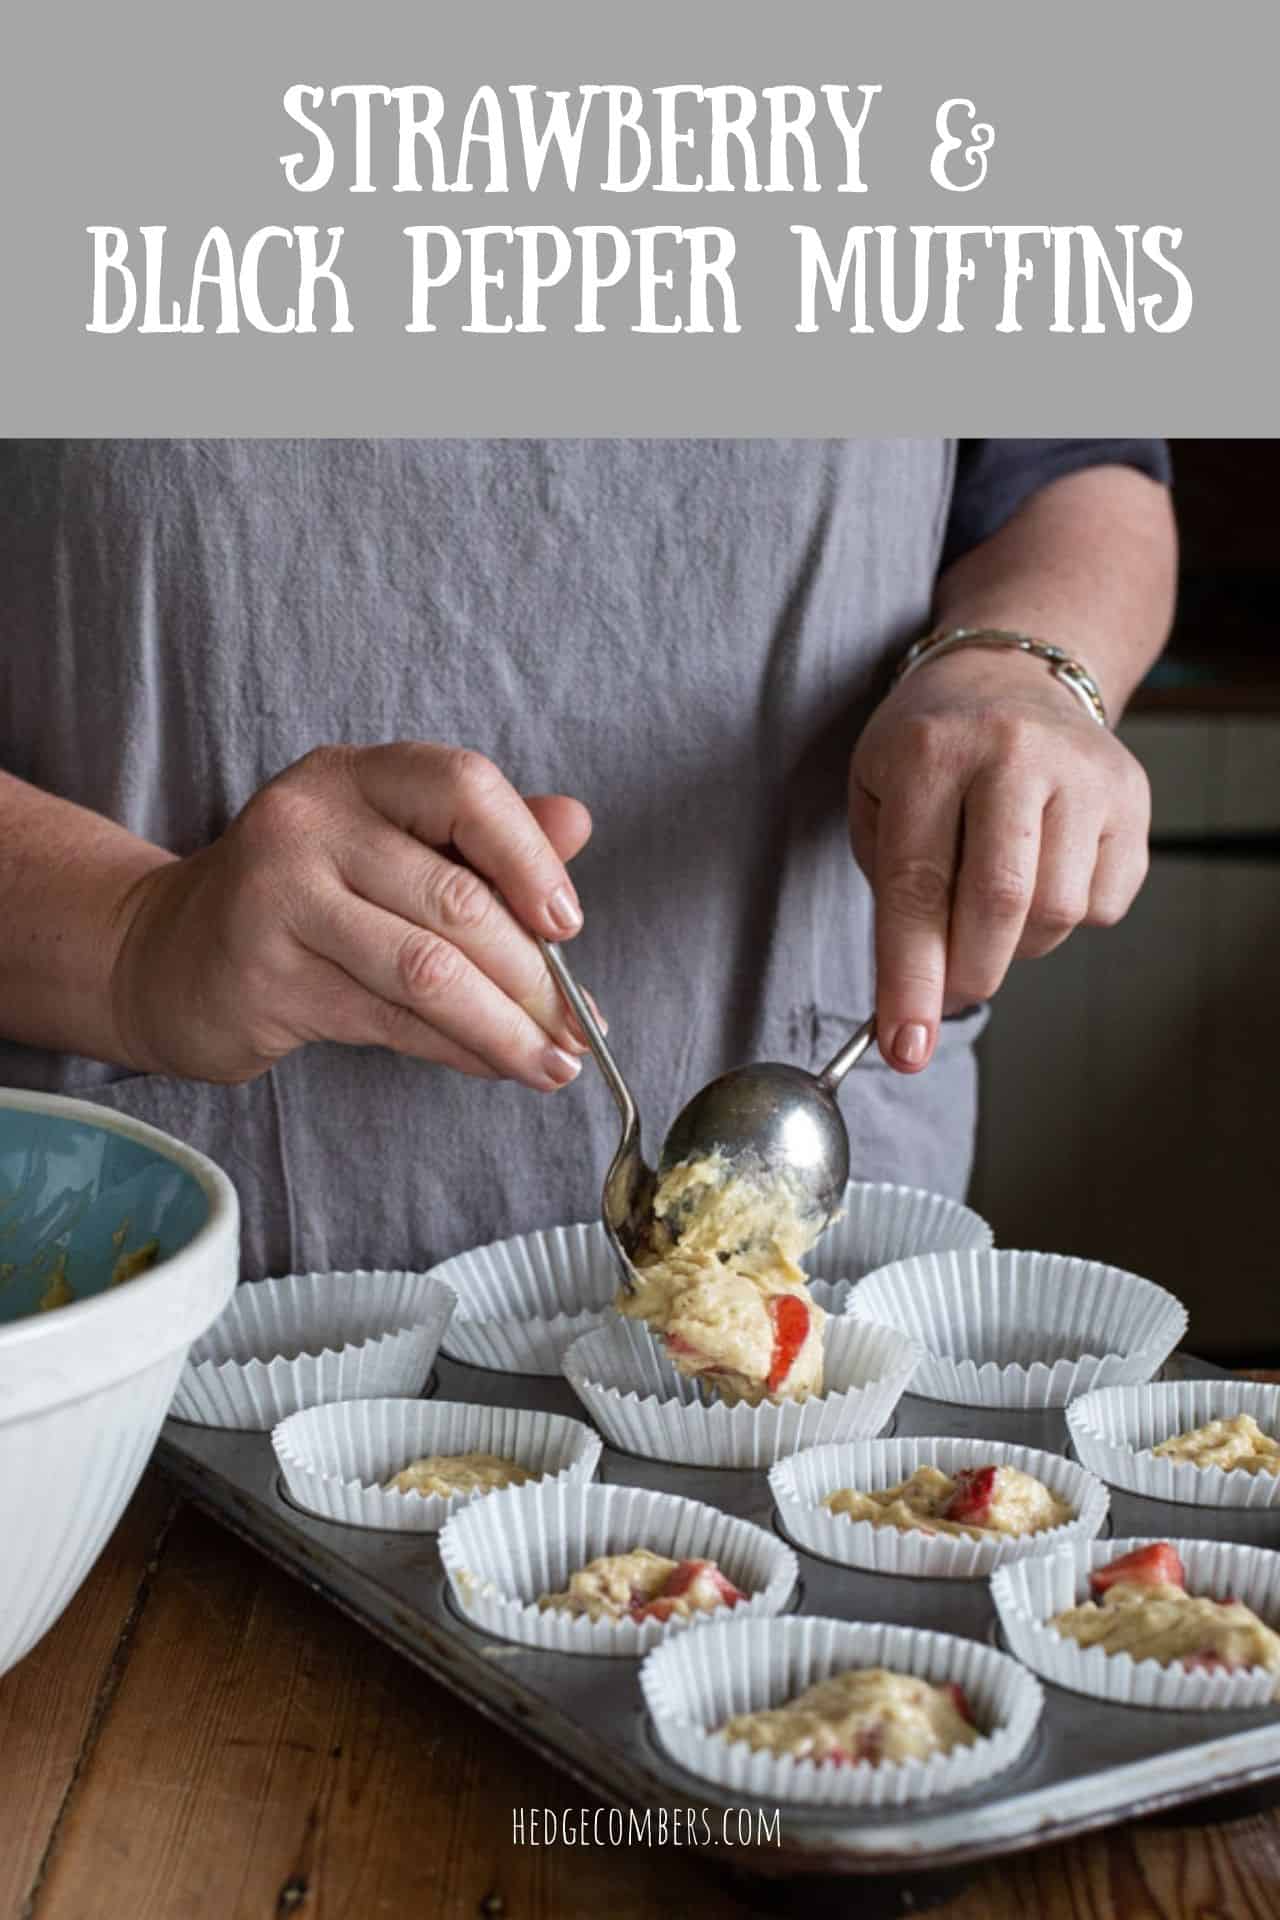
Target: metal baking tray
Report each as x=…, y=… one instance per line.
x=1091, y=1764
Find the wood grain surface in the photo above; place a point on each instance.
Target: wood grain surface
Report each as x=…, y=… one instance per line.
x=200, y=1736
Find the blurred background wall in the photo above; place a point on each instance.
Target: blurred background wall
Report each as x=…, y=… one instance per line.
x=1131, y=1081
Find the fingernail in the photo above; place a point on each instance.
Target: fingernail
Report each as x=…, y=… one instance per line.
x=566, y=914
x=911, y=1044
x=560, y=1067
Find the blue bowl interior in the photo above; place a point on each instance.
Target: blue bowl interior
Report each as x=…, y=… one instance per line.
x=74, y=1198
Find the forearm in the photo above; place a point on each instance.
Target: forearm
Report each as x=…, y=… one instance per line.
x=1089, y=562
x=66, y=877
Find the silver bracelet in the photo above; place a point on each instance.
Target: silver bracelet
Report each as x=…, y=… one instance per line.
x=1072, y=673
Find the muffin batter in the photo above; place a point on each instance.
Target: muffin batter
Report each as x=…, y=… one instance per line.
x=974, y=1502
x=722, y=1287
x=1238, y=1446
x=866, y=1714
x=1141, y=1607
x=127, y=1265
x=641, y=1585
x=59, y=1292
x=448, y=1474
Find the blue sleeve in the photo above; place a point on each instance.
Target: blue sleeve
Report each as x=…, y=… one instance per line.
x=995, y=477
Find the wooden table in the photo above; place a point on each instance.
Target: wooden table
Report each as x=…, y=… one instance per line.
x=200, y=1736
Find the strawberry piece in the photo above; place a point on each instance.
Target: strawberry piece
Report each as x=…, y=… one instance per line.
x=1155, y=1566
x=658, y=1609
x=1209, y=1662
x=869, y=1746
x=682, y=1578
x=970, y=1504
x=790, y=1318
x=678, y=1583
x=960, y=1701
x=676, y=1343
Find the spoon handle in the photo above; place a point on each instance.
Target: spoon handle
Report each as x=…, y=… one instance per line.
x=578, y=1005
x=849, y=1055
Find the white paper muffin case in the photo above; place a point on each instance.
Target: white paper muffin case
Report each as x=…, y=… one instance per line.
x=800, y=1484
x=1114, y=1429
x=285, y=1344
x=501, y=1553
x=523, y=1301
x=831, y=1295
x=336, y=1460
x=1021, y=1330
x=643, y=1405
x=692, y=1686
x=1028, y=1593
x=881, y=1223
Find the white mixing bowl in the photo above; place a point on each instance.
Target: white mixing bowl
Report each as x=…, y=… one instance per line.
x=85, y=1386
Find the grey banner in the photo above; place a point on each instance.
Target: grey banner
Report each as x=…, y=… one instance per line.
x=1143, y=115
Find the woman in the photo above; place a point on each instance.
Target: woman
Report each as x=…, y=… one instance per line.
x=315, y=965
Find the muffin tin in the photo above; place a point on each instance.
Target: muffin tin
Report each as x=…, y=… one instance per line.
x=1091, y=1764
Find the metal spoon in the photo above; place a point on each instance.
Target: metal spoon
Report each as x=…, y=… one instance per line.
x=772, y=1115
x=779, y=1118
x=627, y=1202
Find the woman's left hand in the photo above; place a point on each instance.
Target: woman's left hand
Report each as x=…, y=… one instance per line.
x=991, y=816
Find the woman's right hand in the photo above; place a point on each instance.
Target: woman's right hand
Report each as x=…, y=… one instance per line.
x=379, y=896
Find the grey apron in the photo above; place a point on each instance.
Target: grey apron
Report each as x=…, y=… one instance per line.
x=685, y=635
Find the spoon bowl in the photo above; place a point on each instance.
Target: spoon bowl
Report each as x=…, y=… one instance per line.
x=775, y=1119
x=768, y=1118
